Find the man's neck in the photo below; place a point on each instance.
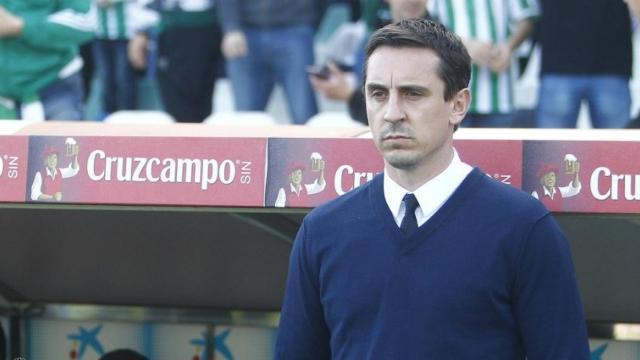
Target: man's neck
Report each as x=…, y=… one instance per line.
x=413, y=178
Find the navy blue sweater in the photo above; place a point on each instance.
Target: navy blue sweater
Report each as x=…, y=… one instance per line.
x=489, y=276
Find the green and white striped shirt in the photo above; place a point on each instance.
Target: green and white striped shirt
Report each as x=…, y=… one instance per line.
x=490, y=21
x=120, y=20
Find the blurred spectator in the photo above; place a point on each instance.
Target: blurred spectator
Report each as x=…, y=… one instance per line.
x=586, y=56
x=39, y=63
x=188, y=56
x=376, y=14
x=268, y=42
x=88, y=67
x=491, y=30
x=117, y=20
x=355, y=8
x=340, y=85
x=634, y=6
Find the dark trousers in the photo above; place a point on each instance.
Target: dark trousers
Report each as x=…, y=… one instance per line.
x=189, y=58
x=119, y=85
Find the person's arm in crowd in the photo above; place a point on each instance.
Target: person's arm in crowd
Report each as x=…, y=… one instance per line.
x=501, y=53
x=72, y=25
x=321, y=6
x=339, y=87
x=336, y=86
x=634, y=6
x=10, y=24
x=137, y=50
x=145, y=17
x=234, y=42
x=480, y=51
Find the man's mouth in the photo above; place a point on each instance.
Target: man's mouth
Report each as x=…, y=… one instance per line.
x=396, y=137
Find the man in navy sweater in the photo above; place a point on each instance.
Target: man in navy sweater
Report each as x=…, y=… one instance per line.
x=433, y=259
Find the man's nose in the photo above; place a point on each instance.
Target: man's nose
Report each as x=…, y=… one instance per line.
x=394, y=111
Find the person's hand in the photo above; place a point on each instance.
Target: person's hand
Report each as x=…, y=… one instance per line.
x=137, y=51
x=234, y=45
x=500, y=58
x=10, y=24
x=480, y=52
x=57, y=196
x=336, y=86
x=75, y=150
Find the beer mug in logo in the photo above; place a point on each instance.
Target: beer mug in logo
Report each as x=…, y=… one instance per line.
x=70, y=146
x=317, y=164
x=570, y=161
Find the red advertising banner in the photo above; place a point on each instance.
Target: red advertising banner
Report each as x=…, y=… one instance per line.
x=13, y=167
x=309, y=172
x=502, y=160
x=147, y=170
x=567, y=176
x=584, y=176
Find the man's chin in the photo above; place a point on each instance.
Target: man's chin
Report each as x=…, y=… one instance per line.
x=400, y=159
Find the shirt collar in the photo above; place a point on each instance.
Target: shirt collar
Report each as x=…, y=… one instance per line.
x=549, y=193
x=51, y=174
x=430, y=195
x=294, y=190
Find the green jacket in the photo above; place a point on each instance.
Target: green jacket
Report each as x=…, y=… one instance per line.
x=49, y=41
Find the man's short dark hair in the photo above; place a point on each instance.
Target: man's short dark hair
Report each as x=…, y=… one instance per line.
x=455, y=62
x=123, y=354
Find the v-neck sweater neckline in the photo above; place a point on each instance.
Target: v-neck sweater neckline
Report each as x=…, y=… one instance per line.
x=406, y=242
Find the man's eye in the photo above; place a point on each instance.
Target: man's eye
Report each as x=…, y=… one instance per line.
x=377, y=94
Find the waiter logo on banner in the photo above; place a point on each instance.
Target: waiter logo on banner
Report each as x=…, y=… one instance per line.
x=549, y=188
x=56, y=165
x=299, y=189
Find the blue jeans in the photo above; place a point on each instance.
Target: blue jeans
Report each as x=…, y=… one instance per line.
x=560, y=96
x=278, y=55
x=64, y=99
x=117, y=76
x=487, y=121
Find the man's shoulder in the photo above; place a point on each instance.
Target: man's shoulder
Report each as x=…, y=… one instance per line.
x=353, y=204
x=507, y=200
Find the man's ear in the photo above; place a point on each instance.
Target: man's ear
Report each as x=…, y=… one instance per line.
x=460, y=105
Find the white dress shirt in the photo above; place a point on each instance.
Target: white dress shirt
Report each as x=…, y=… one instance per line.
x=430, y=195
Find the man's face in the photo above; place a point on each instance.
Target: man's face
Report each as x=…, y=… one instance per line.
x=296, y=176
x=52, y=161
x=407, y=9
x=549, y=179
x=410, y=121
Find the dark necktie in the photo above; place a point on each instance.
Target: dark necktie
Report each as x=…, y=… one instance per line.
x=409, y=223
